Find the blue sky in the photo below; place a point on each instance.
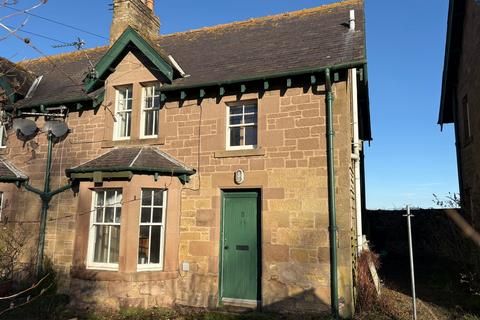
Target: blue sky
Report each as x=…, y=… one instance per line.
x=409, y=158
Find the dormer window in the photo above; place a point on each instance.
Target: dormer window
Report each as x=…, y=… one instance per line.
x=150, y=110
x=123, y=112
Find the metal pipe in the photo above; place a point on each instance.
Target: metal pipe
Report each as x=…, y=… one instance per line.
x=356, y=160
x=332, y=229
x=410, y=251
x=45, y=202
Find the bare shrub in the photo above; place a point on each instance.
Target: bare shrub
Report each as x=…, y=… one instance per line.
x=13, y=241
x=367, y=297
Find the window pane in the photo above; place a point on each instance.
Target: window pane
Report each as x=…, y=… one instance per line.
x=251, y=118
x=148, y=102
x=155, y=245
x=146, y=212
x=101, y=244
x=99, y=215
x=109, y=214
x=236, y=110
x=250, y=109
x=157, y=215
x=235, y=120
x=110, y=200
x=127, y=124
x=100, y=196
x=158, y=197
x=143, y=244
x=250, y=135
x=151, y=120
x=156, y=102
x=114, y=243
x=118, y=215
x=235, y=136
x=146, y=197
x=129, y=92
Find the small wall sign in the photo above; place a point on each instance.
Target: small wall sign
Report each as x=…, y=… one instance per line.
x=239, y=176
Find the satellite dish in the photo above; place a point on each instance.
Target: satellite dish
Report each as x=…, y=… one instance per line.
x=24, y=128
x=56, y=127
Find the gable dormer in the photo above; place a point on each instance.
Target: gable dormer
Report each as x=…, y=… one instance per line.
x=130, y=41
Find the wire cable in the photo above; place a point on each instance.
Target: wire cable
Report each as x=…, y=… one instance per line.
x=39, y=35
x=56, y=22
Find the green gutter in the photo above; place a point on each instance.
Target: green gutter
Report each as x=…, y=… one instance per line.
x=13, y=179
x=332, y=229
x=446, y=62
x=354, y=64
x=68, y=172
x=86, y=98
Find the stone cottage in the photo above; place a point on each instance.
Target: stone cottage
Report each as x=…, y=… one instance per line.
x=461, y=95
x=205, y=168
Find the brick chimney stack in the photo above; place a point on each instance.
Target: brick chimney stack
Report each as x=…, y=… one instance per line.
x=139, y=14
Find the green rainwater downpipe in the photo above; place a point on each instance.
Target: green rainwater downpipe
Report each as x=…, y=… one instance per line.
x=332, y=229
x=46, y=197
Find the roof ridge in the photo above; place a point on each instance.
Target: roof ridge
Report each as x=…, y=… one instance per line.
x=60, y=55
x=136, y=157
x=266, y=18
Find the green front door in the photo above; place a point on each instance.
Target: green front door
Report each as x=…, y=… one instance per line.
x=239, y=278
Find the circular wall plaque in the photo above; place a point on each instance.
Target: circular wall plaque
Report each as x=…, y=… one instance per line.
x=239, y=176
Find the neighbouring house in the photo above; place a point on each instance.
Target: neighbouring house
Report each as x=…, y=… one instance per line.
x=208, y=167
x=461, y=97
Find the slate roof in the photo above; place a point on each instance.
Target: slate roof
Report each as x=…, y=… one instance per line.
x=264, y=47
x=9, y=173
x=136, y=159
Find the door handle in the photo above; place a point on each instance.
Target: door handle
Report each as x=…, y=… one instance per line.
x=226, y=247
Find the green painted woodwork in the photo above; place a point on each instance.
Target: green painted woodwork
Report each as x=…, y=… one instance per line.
x=289, y=83
x=222, y=91
x=202, y=93
x=243, y=88
x=116, y=53
x=266, y=85
x=313, y=79
x=183, y=95
x=239, y=245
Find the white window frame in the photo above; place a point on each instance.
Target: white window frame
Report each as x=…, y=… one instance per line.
x=3, y=134
x=116, y=125
x=228, y=125
x=91, y=233
x=145, y=109
x=153, y=266
x=1, y=206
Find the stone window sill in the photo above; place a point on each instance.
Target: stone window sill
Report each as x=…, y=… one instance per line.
x=133, y=142
x=239, y=153
x=103, y=275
